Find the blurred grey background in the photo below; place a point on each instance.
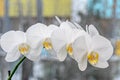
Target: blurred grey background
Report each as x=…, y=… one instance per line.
x=21, y=14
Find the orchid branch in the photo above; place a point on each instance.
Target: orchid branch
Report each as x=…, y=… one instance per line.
x=12, y=73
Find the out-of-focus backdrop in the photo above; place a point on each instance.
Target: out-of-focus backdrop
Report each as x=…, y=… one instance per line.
x=21, y=14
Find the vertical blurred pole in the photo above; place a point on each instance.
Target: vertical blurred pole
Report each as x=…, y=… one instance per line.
x=20, y=12
x=4, y=68
x=114, y=20
x=39, y=10
x=29, y=13
x=27, y=64
x=6, y=25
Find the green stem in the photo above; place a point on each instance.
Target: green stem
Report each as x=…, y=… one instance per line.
x=9, y=72
x=12, y=73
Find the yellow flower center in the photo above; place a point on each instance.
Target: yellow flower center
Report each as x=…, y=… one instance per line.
x=93, y=57
x=117, y=48
x=69, y=49
x=24, y=48
x=47, y=45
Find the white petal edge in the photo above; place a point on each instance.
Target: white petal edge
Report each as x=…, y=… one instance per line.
x=79, y=48
x=65, y=25
x=58, y=39
x=13, y=55
x=92, y=30
x=21, y=36
x=74, y=34
x=103, y=46
x=78, y=26
x=82, y=64
x=101, y=64
x=36, y=30
x=35, y=34
x=11, y=39
x=58, y=19
x=62, y=54
x=50, y=29
x=34, y=54
x=71, y=25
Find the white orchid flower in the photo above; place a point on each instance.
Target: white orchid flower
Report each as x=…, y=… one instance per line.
x=62, y=39
x=15, y=43
x=39, y=35
x=93, y=48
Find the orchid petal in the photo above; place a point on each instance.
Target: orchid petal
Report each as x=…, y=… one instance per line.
x=58, y=39
x=93, y=31
x=71, y=25
x=62, y=54
x=13, y=55
x=74, y=34
x=102, y=46
x=36, y=29
x=82, y=64
x=65, y=25
x=101, y=64
x=35, y=34
x=79, y=48
x=34, y=54
x=11, y=39
x=50, y=29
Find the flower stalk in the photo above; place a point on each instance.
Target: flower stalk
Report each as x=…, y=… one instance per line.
x=14, y=70
x=9, y=73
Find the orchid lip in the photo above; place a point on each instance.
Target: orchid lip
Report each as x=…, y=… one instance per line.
x=93, y=57
x=47, y=44
x=69, y=49
x=24, y=48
